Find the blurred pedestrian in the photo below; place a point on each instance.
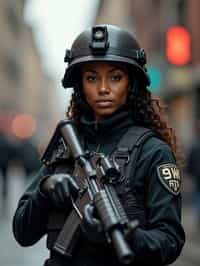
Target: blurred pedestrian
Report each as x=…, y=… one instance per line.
x=110, y=106
x=6, y=156
x=193, y=170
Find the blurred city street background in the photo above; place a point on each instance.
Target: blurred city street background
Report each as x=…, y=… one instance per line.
x=34, y=36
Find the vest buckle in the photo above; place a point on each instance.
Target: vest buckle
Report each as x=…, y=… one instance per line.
x=122, y=154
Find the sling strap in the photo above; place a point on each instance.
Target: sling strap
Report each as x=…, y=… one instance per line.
x=129, y=148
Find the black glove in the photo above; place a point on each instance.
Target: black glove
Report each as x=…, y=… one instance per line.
x=60, y=189
x=91, y=226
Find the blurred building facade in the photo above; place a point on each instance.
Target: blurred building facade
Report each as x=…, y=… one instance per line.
x=149, y=21
x=24, y=86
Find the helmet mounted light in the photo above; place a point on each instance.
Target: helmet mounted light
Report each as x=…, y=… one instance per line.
x=99, y=43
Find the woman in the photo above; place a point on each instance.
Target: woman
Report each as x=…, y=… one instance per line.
x=106, y=67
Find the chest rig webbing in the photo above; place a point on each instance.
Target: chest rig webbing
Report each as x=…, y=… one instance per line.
x=125, y=155
x=129, y=149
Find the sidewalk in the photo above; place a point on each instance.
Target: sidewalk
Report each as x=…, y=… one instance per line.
x=191, y=250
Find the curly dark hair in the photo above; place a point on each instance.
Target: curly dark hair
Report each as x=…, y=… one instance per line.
x=147, y=111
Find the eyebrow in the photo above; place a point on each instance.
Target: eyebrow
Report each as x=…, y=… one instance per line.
x=89, y=70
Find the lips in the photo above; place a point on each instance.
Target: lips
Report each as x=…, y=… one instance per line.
x=104, y=103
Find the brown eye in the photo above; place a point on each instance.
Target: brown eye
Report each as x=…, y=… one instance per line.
x=116, y=77
x=91, y=78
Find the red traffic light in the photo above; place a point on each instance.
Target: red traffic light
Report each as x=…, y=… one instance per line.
x=178, y=45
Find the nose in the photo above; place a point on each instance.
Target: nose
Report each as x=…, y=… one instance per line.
x=104, y=87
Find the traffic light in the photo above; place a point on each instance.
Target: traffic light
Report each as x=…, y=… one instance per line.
x=155, y=77
x=178, y=45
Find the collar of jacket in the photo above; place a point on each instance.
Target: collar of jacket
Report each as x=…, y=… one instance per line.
x=108, y=129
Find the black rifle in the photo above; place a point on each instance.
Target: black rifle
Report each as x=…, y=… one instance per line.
x=104, y=197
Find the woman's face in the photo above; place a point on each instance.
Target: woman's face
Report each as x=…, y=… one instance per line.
x=105, y=86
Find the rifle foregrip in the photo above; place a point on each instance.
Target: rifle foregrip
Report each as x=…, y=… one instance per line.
x=117, y=205
x=105, y=210
x=124, y=253
x=111, y=224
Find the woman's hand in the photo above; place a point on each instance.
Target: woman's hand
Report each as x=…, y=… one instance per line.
x=60, y=189
x=91, y=226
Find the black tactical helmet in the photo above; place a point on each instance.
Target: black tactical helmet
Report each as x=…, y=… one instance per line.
x=104, y=43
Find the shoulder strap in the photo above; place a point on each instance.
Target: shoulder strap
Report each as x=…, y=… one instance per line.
x=129, y=148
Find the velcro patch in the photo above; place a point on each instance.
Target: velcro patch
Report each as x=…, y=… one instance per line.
x=169, y=175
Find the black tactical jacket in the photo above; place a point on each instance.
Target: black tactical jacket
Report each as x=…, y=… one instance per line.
x=156, y=186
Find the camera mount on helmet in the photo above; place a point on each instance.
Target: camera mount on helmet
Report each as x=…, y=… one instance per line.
x=99, y=43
